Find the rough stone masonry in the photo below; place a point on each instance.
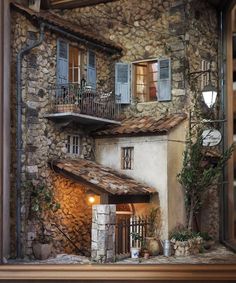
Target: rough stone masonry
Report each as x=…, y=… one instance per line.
x=103, y=233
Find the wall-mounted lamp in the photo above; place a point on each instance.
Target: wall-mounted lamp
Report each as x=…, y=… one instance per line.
x=91, y=199
x=209, y=94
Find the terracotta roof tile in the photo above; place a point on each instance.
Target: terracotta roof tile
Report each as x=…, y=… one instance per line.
x=55, y=20
x=106, y=179
x=143, y=125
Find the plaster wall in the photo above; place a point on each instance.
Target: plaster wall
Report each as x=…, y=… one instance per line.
x=176, y=146
x=150, y=164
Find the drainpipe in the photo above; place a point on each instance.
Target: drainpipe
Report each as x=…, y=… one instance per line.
x=19, y=149
x=222, y=110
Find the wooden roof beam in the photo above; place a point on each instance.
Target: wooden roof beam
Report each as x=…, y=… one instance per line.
x=69, y=4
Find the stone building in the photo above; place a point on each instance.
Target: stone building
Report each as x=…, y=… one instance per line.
x=84, y=70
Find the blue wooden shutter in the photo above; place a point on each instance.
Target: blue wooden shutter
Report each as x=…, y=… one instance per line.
x=91, y=72
x=164, y=80
x=62, y=61
x=122, y=82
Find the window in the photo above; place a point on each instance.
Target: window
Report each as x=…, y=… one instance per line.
x=69, y=64
x=205, y=76
x=150, y=80
x=145, y=81
x=73, y=144
x=74, y=65
x=127, y=158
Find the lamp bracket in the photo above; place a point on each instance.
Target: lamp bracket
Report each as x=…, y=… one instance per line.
x=199, y=73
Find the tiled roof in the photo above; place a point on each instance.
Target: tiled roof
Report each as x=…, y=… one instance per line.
x=104, y=178
x=65, y=25
x=143, y=126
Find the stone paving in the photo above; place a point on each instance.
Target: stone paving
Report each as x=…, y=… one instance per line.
x=217, y=255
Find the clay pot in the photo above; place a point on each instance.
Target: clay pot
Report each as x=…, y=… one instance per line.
x=146, y=254
x=42, y=251
x=153, y=246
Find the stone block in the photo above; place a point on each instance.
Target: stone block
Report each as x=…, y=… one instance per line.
x=93, y=255
x=94, y=234
x=102, y=235
x=103, y=219
x=94, y=246
x=32, y=169
x=112, y=208
x=102, y=227
x=111, y=242
x=103, y=209
x=110, y=256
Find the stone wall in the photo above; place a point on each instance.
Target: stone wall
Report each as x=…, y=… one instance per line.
x=73, y=218
x=150, y=29
x=42, y=139
x=147, y=29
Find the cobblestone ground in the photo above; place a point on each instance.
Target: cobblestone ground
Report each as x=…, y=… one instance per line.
x=217, y=255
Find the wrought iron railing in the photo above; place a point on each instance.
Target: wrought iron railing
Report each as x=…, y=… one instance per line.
x=85, y=100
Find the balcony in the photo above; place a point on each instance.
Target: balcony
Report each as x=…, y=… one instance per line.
x=84, y=105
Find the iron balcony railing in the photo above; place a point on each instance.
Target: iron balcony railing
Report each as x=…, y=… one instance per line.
x=84, y=100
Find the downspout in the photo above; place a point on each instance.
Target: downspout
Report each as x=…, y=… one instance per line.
x=19, y=149
x=222, y=115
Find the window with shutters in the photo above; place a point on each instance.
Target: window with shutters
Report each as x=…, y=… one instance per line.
x=150, y=80
x=73, y=144
x=127, y=158
x=68, y=63
x=145, y=81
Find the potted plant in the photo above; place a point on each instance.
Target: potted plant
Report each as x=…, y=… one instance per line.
x=41, y=201
x=136, y=244
x=185, y=242
x=144, y=250
x=152, y=240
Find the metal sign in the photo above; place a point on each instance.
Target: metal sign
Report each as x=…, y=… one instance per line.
x=211, y=137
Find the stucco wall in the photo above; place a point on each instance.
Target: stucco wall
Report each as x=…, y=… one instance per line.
x=150, y=164
x=175, y=149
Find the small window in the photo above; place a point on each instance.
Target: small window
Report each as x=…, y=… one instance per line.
x=73, y=144
x=205, y=76
x=127, y=158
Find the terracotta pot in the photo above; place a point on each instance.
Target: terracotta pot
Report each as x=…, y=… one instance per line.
x=146, y=254
x=153, y=246
x=42, y=251
x=208, y=244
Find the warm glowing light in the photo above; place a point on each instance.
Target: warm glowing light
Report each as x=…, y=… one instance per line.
x=209, y=95
x=91, y=199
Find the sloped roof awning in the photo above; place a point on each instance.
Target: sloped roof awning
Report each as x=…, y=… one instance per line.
x=104, y=180
x=146, y=125
x=72, y=29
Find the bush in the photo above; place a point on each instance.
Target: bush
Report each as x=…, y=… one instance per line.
x=182, y=234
